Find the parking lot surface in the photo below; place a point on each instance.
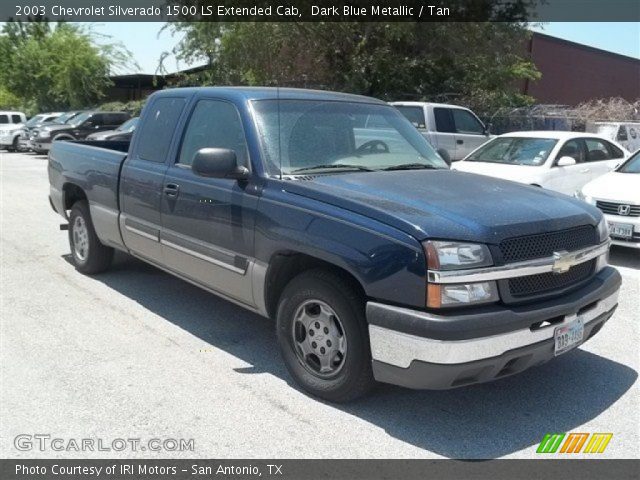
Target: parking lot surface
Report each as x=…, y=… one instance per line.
x=137, y=353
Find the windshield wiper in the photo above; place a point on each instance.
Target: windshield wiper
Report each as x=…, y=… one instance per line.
x=333, y=165
x=413, y=166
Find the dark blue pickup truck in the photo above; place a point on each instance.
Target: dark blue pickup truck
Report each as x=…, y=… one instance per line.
x=331, y=214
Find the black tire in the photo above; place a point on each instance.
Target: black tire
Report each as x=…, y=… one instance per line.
x=14, y=146
x=97, y=257
x=354, y=377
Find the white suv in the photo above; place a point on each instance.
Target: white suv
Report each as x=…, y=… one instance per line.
x=11, y=124
x=448, y=128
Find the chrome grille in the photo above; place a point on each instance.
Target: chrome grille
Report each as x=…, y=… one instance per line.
x=612, y=208
x=547, y=282
x=544, y=244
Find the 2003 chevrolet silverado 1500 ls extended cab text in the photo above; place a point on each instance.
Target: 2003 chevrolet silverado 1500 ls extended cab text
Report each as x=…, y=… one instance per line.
x=375, y=260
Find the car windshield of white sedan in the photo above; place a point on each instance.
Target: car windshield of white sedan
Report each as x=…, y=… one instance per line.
x=632, y=165
x=305, y=136
x=514, y=151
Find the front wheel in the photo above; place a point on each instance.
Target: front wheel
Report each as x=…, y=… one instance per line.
x=88, y=253
x=323, y=337
x=14, y=146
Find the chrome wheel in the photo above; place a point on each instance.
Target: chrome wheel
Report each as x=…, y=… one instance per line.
x=319, y=339
x=80, y=239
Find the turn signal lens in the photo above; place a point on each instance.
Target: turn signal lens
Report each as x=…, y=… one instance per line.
x=444, y=295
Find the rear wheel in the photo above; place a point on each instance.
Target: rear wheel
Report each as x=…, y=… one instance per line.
x=323, y=337
x=88, y=253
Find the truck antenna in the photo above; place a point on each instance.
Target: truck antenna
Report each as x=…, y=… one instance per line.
x=279, y=132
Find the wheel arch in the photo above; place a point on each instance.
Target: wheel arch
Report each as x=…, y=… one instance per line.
x=72, y=193
x=285, y=265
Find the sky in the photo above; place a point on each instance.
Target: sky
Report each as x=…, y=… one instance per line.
x=146, y=41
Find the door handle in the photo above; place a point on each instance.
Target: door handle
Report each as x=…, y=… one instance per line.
x=585, y=170
x=171, y=190
x=459, y=142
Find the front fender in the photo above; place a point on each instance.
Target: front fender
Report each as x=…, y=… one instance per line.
x=389, y=264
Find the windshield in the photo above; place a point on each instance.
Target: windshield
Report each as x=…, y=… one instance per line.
x=514, y=151
x=65, y=117
x=316, y=135
x=632, y=165
x=128, y=126
x=34, y=120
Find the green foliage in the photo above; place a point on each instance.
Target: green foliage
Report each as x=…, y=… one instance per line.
x=50, y=68
x=8, y=101
x=478, y=63
x=133, y=107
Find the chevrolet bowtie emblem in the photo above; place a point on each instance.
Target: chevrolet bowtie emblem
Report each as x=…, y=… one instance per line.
x=562, y=261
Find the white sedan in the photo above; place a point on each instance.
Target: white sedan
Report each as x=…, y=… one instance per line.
x=617, y=194
x=561, y=161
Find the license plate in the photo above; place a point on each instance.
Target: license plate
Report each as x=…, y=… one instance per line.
x=624, y=230
x=569, y=336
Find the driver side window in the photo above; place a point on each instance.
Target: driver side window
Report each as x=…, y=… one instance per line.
x=215, y=124
x=573, y=149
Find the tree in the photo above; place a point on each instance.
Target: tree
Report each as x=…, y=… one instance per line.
x=478, y=64
x=57, y=67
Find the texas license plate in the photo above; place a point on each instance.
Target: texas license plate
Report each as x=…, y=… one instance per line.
x=624, y=230
x=569, y=336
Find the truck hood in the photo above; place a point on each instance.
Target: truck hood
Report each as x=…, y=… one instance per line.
x=447, y=204
x=517, y=173
x=53, y=127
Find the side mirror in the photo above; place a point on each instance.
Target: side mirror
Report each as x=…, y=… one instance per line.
x=445, y=155
x=566, y=161
x=88, y=124
x=218, y=163
x=487, y=129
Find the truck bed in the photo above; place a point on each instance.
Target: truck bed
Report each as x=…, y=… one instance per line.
x=93, y=166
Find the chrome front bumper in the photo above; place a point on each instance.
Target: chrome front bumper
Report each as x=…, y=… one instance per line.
x=400, y=349
x=420, y=349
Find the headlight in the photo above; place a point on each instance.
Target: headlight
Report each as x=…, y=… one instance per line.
x=603, y=230
x=44, y=134
x=444, y=255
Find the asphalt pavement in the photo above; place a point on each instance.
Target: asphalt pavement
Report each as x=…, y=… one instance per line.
x=135, y=353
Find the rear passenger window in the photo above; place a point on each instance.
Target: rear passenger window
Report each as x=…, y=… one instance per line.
x=444, y=120
x=596, y=150
x=215, y=124
x=4, y=118
x=614, y=152
x=16, y=118
x=157, y=129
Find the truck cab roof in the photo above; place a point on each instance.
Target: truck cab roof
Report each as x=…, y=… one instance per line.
x=267, y=93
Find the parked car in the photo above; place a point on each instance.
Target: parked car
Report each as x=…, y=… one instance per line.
x=123, y=132
x=617, y=194
x=561, y=161
x=626, y=134
x=449, y=128
x=374, y=259
x=10, y=125
x=34, y=122
x=77, y=128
